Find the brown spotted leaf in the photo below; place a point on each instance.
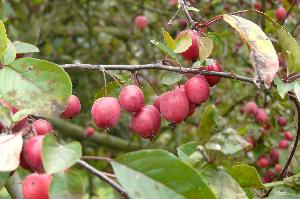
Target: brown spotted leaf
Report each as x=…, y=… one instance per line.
x=35, y=84
x=262, y=53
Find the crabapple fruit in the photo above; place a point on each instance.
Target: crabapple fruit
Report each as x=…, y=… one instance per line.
x=131, y=98
x=141, y=21
x=283, y=144
x=278, y=168
x=42, y=127
x=262, y=162
x=274, y=155
x=36, y=186
x=89, y=131
x=280, y=13
x=32, y=151
x=250, y=108
x=213, y=66
x=106, y=112
x=197, y=89
x=73, y=108
x=192, y=53
x=281, y=121
x=288, y=136
x=261, y=116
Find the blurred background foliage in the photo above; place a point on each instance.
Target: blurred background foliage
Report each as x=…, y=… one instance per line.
x=103, y=32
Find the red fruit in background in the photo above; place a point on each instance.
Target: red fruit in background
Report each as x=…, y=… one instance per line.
x=283, y=144
x=268, y=177
x=261, y=116
x=250, y=108
x=213, y=66
x=182, y=23
x=106, y=112
x=146, y=122
x=131, y=98
x=280, y=13
x=19, y=55
x=281, y=121
x=89, y=131
x=174, y=106
x=36, y=186
x=192, y=108
x=173, y=2
x=42, y=127
x=192, y=53
x=257, y=5
x=274, y=155
x=73, y=108
x=156, y=102
x=23, y=163
x=278, y=168
x=197, y=89
x=32, y=151
x=289, y=136
x=251, y=140
x=141, y=22
x=263, y=162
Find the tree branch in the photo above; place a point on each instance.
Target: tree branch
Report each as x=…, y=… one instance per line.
x=157, y=66
x=103, y=177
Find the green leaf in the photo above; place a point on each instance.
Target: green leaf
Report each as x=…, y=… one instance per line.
x=4, y=176
x=22, y=47
x=5, y=116
x=168, y=40
x=57, y=157
x=171, y=78
x=10, y=149
x=210, y=121
x=66, y=185
x=152, y=174
x=283, y=195
x=9, y=55
x=290, y=46
x=297, y=89
x=246, y=176
x=166, y=50
x=282, y=88
x=18, y=116
x=31, y=83
x=185, y=150
x=113, y=89
x=222, y=184
x=4, y=7
x=206, y=46
x=3, y=39
x=215, y=37
x=182, y=43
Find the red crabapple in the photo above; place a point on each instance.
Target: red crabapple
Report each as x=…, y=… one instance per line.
x=73, y=108
x=257, y=6
x=36, y=186
x=157, y=103
x=192, y=53
x=174, y=106
x=278, y=168
x=268, y=177
x=288, y=136
x=261, y=116
x=280, y=13
x=197, y=89
x=42, y=127
x=106, y=112
x=250, y=108
x=283, y=144
x=32, y=151
x=89, y=131
x=131, y=98
x=274, y=155
x=23, y=163
x=146, y=122
x=213, y=66
x=192, y=106
x=251, y=140
x=281, y=121
x=141, y=21
x=262, y=162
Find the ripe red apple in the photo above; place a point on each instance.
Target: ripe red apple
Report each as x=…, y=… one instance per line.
x=213, y=66
x=36, y=186
x=257, y=5
x=146, y=122
x=289, y=136
x=23, y=163
x=131, y=98
x=278, y=168
x=268, y=176
x=261, y=116
x=262, y=162
x=283, y=144
x=42, y=127
x=32, y=151
x=281, y=121
x=197, y=89
x=280, y=13
x=192, y=53
x=141, y=21
x=251, y=140
x=89, y=131
x=250, y=108
x=106, y=112
x=192, y=106
x=73, y=108
x=274, y=155
x=157, y=103
x=174, y=106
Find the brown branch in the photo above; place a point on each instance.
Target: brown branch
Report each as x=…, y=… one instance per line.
x=184, y=7
x=96, y=158
x=158, y=66
x=103, y=177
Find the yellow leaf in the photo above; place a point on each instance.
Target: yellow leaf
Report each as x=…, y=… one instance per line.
x=262, y=53
x=206, y=46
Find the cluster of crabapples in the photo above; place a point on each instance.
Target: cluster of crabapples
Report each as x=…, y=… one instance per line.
x=36, y=184
x=269, y=162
